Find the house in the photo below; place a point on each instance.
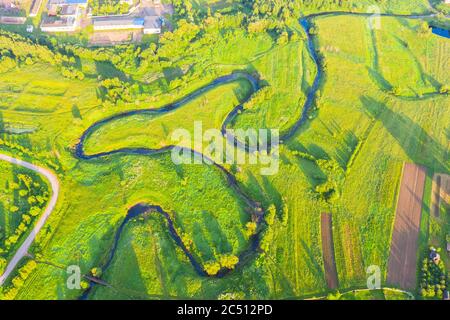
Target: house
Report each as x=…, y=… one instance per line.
x=81, y=3
x=30, y=28
x=59, y=24
x=63, y=15
x=152, y=25
x=118, y=23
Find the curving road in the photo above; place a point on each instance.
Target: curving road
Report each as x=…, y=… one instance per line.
x=54, y=183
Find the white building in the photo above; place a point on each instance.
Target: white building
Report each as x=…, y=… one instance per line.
x=118, y=23
x=152, y=25
x=64, y=24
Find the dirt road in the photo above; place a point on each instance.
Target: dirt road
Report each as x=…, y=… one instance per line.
x=402, y=264
x=328, y=251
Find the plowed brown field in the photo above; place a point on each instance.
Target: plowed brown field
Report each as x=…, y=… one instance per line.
x=402, y=264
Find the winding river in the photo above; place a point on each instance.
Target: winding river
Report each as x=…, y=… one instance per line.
x=256, y=211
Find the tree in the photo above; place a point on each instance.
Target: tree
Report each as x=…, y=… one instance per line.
x=228, y=261
x=250, y=228
x=212, y=268
x=96, y=272
x=84, y=284
x=270, y=214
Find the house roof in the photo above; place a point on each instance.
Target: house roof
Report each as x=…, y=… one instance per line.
x=59, y=22
x=76, y=1
x=114, y=21
x=152, y=22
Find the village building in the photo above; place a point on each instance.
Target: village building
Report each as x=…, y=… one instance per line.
x=152, y=25
x=12, y=12
x=118, y=23
x=63, y=15
x=61, y=24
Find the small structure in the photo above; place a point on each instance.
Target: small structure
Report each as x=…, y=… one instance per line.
x=12, y=20
x=434, y=256
x=152, y=25
x=446, y=295
x=63, y=15
x=68, y=10
x=63, y=24
x=81, y=3
x=30, y=28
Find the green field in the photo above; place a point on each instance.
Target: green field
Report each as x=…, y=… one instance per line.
x=380, y=102
x=383, y=294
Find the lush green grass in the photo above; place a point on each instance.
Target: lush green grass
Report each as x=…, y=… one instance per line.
x=288, y=73
x=383, y=294
x=155, y=131
x=365, y=129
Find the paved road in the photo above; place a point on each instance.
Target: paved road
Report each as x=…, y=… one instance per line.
x=23, y=250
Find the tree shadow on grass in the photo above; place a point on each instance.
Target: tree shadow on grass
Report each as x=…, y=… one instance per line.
x=420, y=147
x=272, y=193
x=312, y=263
x=201, y=243
x=131, y=271
x=346, y=148
x=108, y=70
x=218, y=238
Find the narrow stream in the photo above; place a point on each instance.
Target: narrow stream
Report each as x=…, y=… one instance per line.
x=256, y=211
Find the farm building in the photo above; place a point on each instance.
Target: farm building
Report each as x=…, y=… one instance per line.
x=63, y=10
x=12, y=12
x=63, y=24
x=12, y=20
x=81, y=3
x=119, y=23
x=63, y=15
x=152, y=25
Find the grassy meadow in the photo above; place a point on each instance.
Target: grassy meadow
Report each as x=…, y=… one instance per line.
x=379, y=104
